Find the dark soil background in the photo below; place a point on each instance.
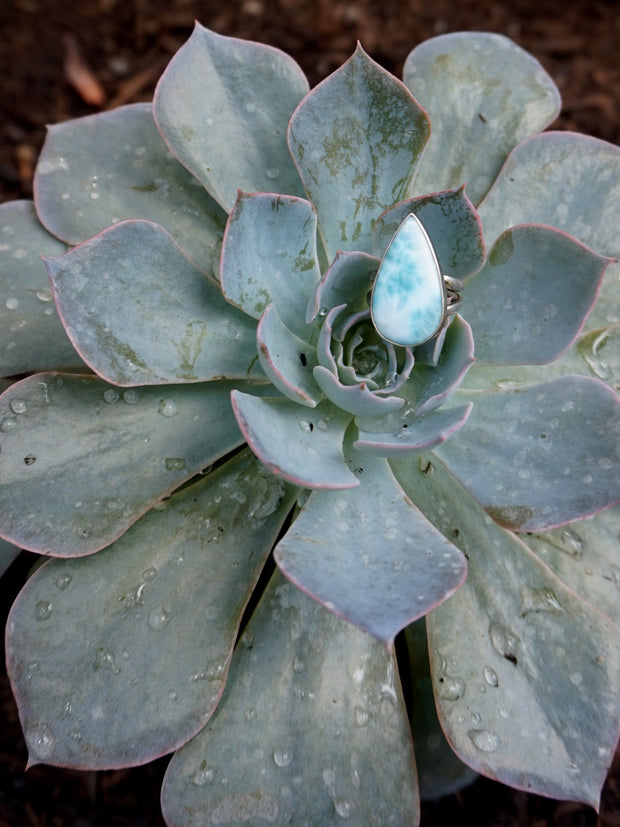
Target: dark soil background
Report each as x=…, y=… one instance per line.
x=117, y=49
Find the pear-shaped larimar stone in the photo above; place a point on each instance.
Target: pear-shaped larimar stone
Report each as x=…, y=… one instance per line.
x=408, y=298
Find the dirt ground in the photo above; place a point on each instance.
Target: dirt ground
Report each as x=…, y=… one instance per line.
x=124, y=46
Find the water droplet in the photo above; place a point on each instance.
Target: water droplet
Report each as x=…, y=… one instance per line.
x=63, y=581
x=159, y=618
x=19, y=406
x=111, y=396
x=167, y=408
x=539, y=600
x=95, y=196
x=590, y=348
x=490, y=676
x=48, y=311
x=451, y=689
x=131, y=397
x=175, y=464
x=484, y=739
x=203, y=775
x=272, y=173
x=43, y=610
x=565, y=539
x=44, y=295
x=247, y=639
x=41, y=740
x=249, y=714
x=12, y=303
x=306, y=426
x=322, y=312
x=298, y=665
x=104, y=659
x=343, y=807
x=504, y=642
x=7, y=424
x=173, y=695
x=323, y=424
x=282, y=758
x=150, y=573
x=360, y=716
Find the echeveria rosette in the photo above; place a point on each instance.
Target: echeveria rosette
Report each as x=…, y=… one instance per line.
x=413, y=460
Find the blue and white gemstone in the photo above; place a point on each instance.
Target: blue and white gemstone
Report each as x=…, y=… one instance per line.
x=408, y=302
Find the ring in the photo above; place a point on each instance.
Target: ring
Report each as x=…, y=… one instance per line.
x=410, y=297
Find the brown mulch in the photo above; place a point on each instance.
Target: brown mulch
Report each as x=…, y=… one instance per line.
x=64, y=58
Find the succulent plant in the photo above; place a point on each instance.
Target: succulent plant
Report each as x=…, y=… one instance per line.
x=210, y=260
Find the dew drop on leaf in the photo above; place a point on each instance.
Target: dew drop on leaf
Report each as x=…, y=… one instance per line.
x=41, y=740
x=43, y=610
x=19, y=406
x=490, y=676
x=167, y=408
x=484, y=739
x=282, y=758
x=63, y=581
x=111, y=396
x=159, y=618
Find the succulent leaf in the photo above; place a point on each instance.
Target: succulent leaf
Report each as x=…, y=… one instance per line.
x=8, y=553
x=541, y=455
x=172, y=326
x=484, y=94
x=356, y=399
x=287, y=360
x=327, y=552
x=357, y=139
x=434, y=384
x=223, y=106
x=158, y=612
x=416, y=433
x=77, y=501
x=101, y=169
x=548, y=662
x=303, y=447
x=568, y=180
x=31, y=335
x=529, y=302
x=269, y=256
x=346, y=282
x=313, y=706
x=452, y=225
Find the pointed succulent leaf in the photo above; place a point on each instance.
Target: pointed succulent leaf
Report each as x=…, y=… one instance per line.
x=529, y=302
x=312, y=707
x=607, y=309
x=172, y=325
x=416, y=433
x=269, y=255
x=584, y=555
x=287, y=360
x=122, y=453
x=436, y=384
x=356, y=399
x=541, y=455
x=223, y=105
x=452, y=225
x=346, y=282
x=158, y=613
x=483, y=94
x=369, y=555
x=101, y=169
x=531, y=699
x=595, y=353
x=356, y=139
x=31, y=335
x=564, y=179
x=300, y=445
x=440, y=772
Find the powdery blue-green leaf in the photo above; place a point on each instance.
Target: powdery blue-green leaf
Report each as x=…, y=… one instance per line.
x=31, y=335
x=311, y=729
x=436, y=383
x=452, y=225
x=157, y=613
x=347, y=281
x=565, y=179
x=584, y=555
x=369, y=555
x=440, y=772
x=416, y=433
x=356, y=139
x=300, y=445
x=541, y=455
x=526, y=674
x=140, y=313
x=8, y=553
x=530, y=300
x=287, y=360
x=484, y=94
x=105, y=168
x=223, y=105
x=122, y=451
x=269, y=255
x=356, y=399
